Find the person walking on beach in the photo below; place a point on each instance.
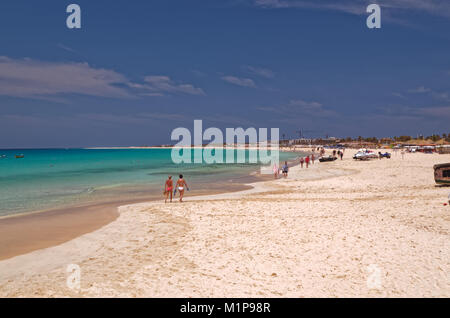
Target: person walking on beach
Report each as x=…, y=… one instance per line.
x=302, y=160
x=276, y=171
x=313, y=158
x=341, y=154
x=285, y=169
x=181, y=184
x=307, y=161
x=168, y=188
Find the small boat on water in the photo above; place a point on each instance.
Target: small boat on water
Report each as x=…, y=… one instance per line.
x=442, y=173
x=20, y=156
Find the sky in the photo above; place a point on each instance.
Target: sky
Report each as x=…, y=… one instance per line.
x=138, y=69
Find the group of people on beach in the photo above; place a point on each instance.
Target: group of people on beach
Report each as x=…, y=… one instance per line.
x=307, y=160
x=170, y=190
x=336, y=153
x=285, y=168
x=310, y=159
x=339, y=153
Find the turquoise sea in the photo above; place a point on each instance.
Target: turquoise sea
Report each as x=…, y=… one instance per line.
x=50, y=178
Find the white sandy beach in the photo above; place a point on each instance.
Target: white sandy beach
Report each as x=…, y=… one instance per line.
x=323, y=232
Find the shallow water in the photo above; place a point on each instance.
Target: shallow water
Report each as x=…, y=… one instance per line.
x=49, y=178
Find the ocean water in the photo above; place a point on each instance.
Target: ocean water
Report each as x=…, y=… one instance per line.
x=50, y=178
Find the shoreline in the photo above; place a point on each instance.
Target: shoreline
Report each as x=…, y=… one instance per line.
x=26, y=232
x=30, y=231
x=134, y=187
x=314, y=234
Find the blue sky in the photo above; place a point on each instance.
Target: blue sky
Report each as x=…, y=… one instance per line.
x=137, y=70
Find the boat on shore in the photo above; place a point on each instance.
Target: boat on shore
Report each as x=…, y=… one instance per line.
x=442, y=173
x=327, y=159
x=365, y=154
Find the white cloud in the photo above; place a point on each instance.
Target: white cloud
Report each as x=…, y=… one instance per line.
x=300, y=107
x=166, y=84
x=304, y=104
x=346, y=6
x=199, y=73
x=401, y=111
x=420, y=90
x=435, y=7
x=440, y=112
x=41, y=80
x=259, y=71
x=244, y=82
x=312, y=108
x=399, y=95
x=66, y=48
x=30, y=78
x=442, y=95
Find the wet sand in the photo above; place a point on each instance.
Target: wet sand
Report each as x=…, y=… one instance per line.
x=28, y=232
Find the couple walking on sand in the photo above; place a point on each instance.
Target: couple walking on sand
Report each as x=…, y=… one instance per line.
x=180, y=185
x=284, y=170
